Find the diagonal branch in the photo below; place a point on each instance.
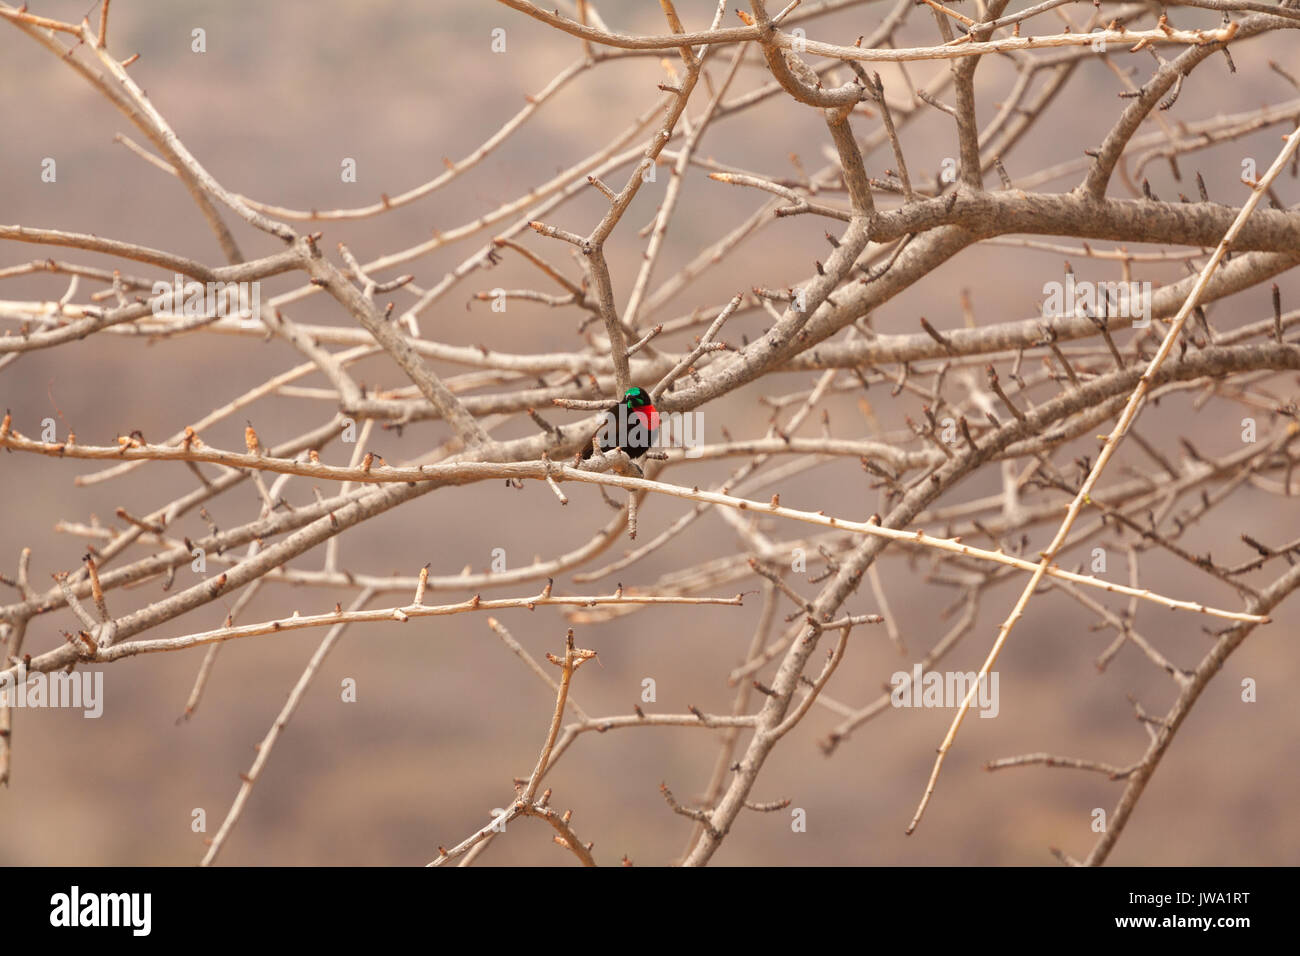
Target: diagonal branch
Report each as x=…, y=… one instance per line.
x=1112, y=442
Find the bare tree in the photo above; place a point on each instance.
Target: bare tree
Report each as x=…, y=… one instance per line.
x=1039, y=405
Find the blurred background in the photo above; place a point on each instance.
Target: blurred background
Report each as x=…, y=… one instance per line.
x=445, y=716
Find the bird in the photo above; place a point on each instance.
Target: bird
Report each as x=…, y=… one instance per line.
x=632, y=425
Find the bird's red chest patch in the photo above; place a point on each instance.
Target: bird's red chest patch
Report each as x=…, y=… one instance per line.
x=650, y=415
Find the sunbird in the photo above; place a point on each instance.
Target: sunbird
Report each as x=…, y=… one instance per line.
x=631, y=425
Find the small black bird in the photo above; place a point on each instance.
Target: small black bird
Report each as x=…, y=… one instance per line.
x=632, y=425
